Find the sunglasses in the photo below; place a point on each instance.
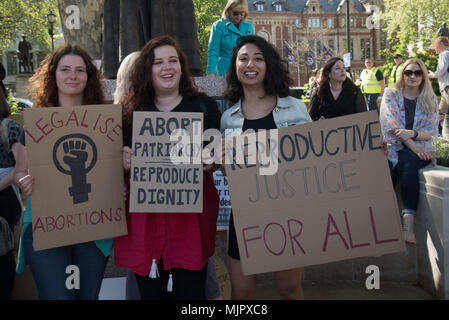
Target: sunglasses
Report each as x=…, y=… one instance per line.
x=417, y=73
x=235, y=14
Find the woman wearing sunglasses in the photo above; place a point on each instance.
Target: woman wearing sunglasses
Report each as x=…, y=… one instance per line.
x=409, y=121
x=224, y=34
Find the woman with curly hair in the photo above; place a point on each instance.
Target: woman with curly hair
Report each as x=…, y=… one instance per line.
x=168, y=252
x=65, y=78
x=258, y=83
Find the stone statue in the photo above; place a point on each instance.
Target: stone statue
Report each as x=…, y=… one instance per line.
x=25, y=56
x=127, y=28
x=443, y=31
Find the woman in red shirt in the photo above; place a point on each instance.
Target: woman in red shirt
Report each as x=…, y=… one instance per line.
x=168, y=252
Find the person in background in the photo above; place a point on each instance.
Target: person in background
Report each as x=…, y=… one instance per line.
x=233, y=24
x=441, y=46
x=11, y=152
x=258, y=84
x=168, y=252
x=67, y=77
x=2, y=77
x=337, y=95
x=373, y=84
x=313, y=83
x=395, y=74
x=409, y=122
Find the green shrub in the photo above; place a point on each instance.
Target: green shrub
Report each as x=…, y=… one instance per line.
x=441, y=151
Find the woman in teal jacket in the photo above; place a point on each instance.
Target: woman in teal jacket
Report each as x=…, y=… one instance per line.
x=224, y=34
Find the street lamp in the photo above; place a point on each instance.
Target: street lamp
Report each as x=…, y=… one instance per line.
x=51, y=17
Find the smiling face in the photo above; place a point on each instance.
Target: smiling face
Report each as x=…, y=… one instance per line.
x=251, y=66
x=236, y=14
x=71, y=76
x=338, y=72
x=166, y=70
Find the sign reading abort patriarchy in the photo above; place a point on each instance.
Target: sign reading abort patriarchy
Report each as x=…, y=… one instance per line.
x=330, y=199
x=75, y=159
x=166, y=170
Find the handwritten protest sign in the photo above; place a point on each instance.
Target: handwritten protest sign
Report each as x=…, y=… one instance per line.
x=75, y=158
x=224, y=209
x=330, y=199
x=166, y=171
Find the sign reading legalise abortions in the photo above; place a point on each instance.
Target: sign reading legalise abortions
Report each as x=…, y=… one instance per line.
x=75, y=159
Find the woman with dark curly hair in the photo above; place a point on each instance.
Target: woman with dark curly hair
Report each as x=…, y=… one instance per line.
x=258, y=83
x=337, y=95
x=168, y=252
x=65, y=78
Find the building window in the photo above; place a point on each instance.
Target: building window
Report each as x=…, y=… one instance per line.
x=11, y=63
x=331, y=44
x=365, y=49
x=345, y=47
x=313, y=22
x=277, y=7
x=330, y=22
x=259, y=5
x=352, y=22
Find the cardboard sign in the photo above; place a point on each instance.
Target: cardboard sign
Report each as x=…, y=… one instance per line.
x=224, y=209
x=330, y=199
x=75, y=158
x=166, y=171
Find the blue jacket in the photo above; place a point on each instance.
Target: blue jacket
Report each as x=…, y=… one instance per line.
x=223, y=36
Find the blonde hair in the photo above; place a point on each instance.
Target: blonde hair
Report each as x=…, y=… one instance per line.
x=235, y=4
x=443, y=40
x=123, y=77
x=427, y=98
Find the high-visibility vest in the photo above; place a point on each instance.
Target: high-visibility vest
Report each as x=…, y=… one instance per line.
x=369, y=82
x=395, y=75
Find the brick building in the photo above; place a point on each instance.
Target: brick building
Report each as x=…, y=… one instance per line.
x=316, y=29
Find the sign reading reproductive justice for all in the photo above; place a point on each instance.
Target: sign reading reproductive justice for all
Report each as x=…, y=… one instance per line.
x=75, y=159
x=330, y=199
x=166, y=170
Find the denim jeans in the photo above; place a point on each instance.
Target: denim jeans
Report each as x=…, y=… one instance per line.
x=49, y=269
x=407, y=172
x=371, y=100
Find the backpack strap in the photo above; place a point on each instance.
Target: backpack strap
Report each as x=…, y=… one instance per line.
x=5, y=134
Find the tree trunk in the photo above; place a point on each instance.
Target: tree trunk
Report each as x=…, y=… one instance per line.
x=81, y=22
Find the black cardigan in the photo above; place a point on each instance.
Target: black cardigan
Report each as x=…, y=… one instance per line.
x=350, y=100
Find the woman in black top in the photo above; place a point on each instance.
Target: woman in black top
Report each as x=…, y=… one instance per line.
x=337, y=94
x=11, y=150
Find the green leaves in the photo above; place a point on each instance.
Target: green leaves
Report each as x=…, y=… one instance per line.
x=25, y=17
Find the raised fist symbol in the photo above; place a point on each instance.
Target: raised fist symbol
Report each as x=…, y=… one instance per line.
x=75, y=157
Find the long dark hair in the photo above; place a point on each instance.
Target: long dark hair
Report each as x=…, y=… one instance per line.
x=324, y=85
x=42, y=85
x=5, y=111
x=277, y=77
x=142, y=94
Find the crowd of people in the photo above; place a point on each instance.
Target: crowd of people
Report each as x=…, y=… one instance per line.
x=170, y=256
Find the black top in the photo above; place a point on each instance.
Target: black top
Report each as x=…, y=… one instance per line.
x=350, y=100
x=15, y=133
x=191, y=104
x=379, y=75
x=265, y=123
x=410, y=107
